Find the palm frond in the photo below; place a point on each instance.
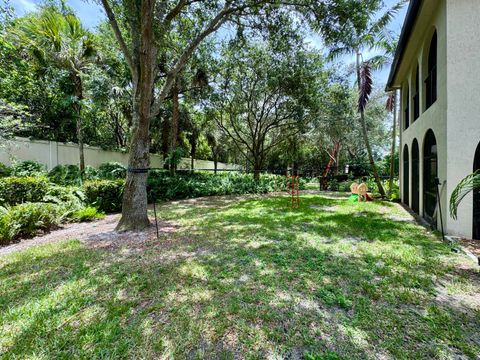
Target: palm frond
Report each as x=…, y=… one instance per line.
x=466, y=186
x=390, y=105
x=387, y=17
x=378, y=62
x=336, y=52
x=365, y=86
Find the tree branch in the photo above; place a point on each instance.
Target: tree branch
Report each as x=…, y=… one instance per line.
x=119, y=36
x=213, y=26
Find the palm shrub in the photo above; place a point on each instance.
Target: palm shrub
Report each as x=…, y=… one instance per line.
x=466, y=186
x=58, y=37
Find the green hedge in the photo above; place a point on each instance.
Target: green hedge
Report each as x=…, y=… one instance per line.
x=105, y=195
x=27, y=219
x=17, y=190
x=162, y=186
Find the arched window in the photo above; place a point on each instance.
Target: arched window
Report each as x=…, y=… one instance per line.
x=431, y=81
x=415, y=177
x=406, y=114
x=430, y=175
x=416, y=95
x=476, y=199
x=406, y=176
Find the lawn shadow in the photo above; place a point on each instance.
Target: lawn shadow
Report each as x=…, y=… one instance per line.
x=255, y=279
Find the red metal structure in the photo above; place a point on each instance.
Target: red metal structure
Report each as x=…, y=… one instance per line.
x=333, y=159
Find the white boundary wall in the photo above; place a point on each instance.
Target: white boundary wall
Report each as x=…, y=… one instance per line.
x=51, y=154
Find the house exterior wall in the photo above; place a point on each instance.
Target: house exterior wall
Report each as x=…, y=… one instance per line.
x=432, y=18
x=463, y=110
x=455, y=116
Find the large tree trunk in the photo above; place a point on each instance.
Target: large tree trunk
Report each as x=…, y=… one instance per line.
x=257, y=167
x=77, y=108
x=394, y=143
x=193, y=151
x=134, y=209
x=175, y=121
x=366, y=139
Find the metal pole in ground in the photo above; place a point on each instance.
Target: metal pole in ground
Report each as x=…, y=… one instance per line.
x=155, y=213
x=437, y=182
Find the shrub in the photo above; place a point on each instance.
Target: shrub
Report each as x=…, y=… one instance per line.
x=69, y=199
x=65, y=174
x=395, y=193
x=16, y=190
x=87, y=214
x=26, y=219
x=28, y=168
x=5, y=170
x=70, y=174
x=105, y=195
x=334, y=185
x=163, y=186
x=112, y=170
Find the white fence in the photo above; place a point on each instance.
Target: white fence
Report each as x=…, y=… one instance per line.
x=52, y=153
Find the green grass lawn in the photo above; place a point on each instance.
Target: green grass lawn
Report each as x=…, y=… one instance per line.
x=247, y=279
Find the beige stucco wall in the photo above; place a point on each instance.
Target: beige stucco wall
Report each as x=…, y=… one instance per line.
x=463, y=110
x=454, y=118
x=432, y=17
x=52, y=153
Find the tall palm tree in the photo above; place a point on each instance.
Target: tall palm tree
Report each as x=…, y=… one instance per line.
x=58, y=38
x=355, y=40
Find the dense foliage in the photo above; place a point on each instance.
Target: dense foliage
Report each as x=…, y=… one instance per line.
x=27, y=219
x=162, y=78
x=162, y=186
x=17, y=190
x=105, y=195
x=30, y=203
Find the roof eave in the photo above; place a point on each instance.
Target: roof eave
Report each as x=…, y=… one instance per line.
x=407, y=28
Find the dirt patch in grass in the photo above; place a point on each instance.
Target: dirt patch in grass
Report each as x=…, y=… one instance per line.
x=65, y=232
x=472, y=245
x=96, y=234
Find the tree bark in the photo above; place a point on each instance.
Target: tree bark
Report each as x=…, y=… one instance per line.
x=394, y=143
x=257, y=167
x=134, y=209
x=77, y=108
x=365, y=137
x=175, y=121
x=141, y=59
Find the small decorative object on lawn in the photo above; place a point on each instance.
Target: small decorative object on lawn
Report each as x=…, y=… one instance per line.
x=362, y=192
